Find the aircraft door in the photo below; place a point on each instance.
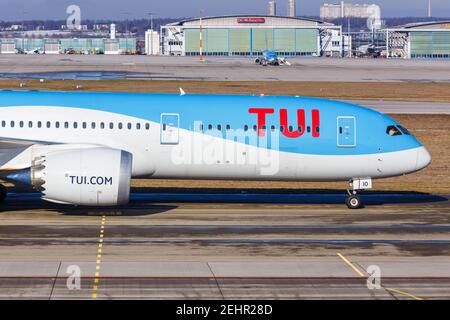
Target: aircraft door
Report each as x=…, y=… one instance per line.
x=346, y=132
x=170, y=126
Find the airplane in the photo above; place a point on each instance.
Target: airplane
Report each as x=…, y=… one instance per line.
x=35, y=51
x=271, y=58
x=83, y=148
x=370, y=51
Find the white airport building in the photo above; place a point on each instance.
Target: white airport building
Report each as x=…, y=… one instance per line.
x=348, y=10
x=250, y=35
x=152, y=45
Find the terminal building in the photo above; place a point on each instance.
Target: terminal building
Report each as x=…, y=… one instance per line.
x=430, y=40
x=251, y=35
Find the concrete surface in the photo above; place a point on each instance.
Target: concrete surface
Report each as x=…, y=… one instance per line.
x=242, y=69
x=235, y=250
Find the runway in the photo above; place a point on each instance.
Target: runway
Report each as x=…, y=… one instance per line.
x=162, y=246
x=223, y=68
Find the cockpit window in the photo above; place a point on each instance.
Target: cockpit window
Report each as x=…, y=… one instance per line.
x=393, y=131
x=404, y=130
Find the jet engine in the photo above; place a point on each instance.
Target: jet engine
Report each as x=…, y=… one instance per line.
x=91, y=177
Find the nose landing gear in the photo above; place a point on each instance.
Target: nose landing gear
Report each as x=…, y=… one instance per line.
x=3, y=193
x=353, y=200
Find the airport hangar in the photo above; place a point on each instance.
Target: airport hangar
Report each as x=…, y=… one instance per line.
x=77, y=45
x=429, y=40
x=251, y=35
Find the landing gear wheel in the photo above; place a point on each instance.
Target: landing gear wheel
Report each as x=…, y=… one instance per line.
x=3, y=193
x=354, y=202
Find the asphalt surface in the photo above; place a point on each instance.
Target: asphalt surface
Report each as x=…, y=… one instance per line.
x=236, y=69
x=163, y=246
x=400, y=107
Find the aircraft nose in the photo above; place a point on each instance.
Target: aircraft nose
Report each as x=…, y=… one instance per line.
x=423, y=158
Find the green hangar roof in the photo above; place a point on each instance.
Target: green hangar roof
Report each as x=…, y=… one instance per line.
x=428, y=25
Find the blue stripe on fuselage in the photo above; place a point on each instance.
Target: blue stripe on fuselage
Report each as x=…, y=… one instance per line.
x=233, y=110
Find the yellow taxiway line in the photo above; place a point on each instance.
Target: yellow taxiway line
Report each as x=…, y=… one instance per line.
x=362, y=275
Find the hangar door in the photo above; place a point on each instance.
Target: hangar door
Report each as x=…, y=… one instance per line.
x=285, y=40
x=262, y=39
x=217, y=41
x=430, y=44
x=192, y=40
x=306, y=40
x=240, y=41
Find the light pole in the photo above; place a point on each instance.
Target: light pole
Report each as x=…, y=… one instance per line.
x=151, y=14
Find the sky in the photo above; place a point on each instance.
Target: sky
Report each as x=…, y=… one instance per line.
x=129, y=9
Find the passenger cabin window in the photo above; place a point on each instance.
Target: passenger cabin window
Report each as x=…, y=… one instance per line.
x=39, y=124
x=393, y=131
x=147, y=126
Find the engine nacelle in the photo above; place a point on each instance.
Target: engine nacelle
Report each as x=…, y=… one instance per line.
x=91, y=177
